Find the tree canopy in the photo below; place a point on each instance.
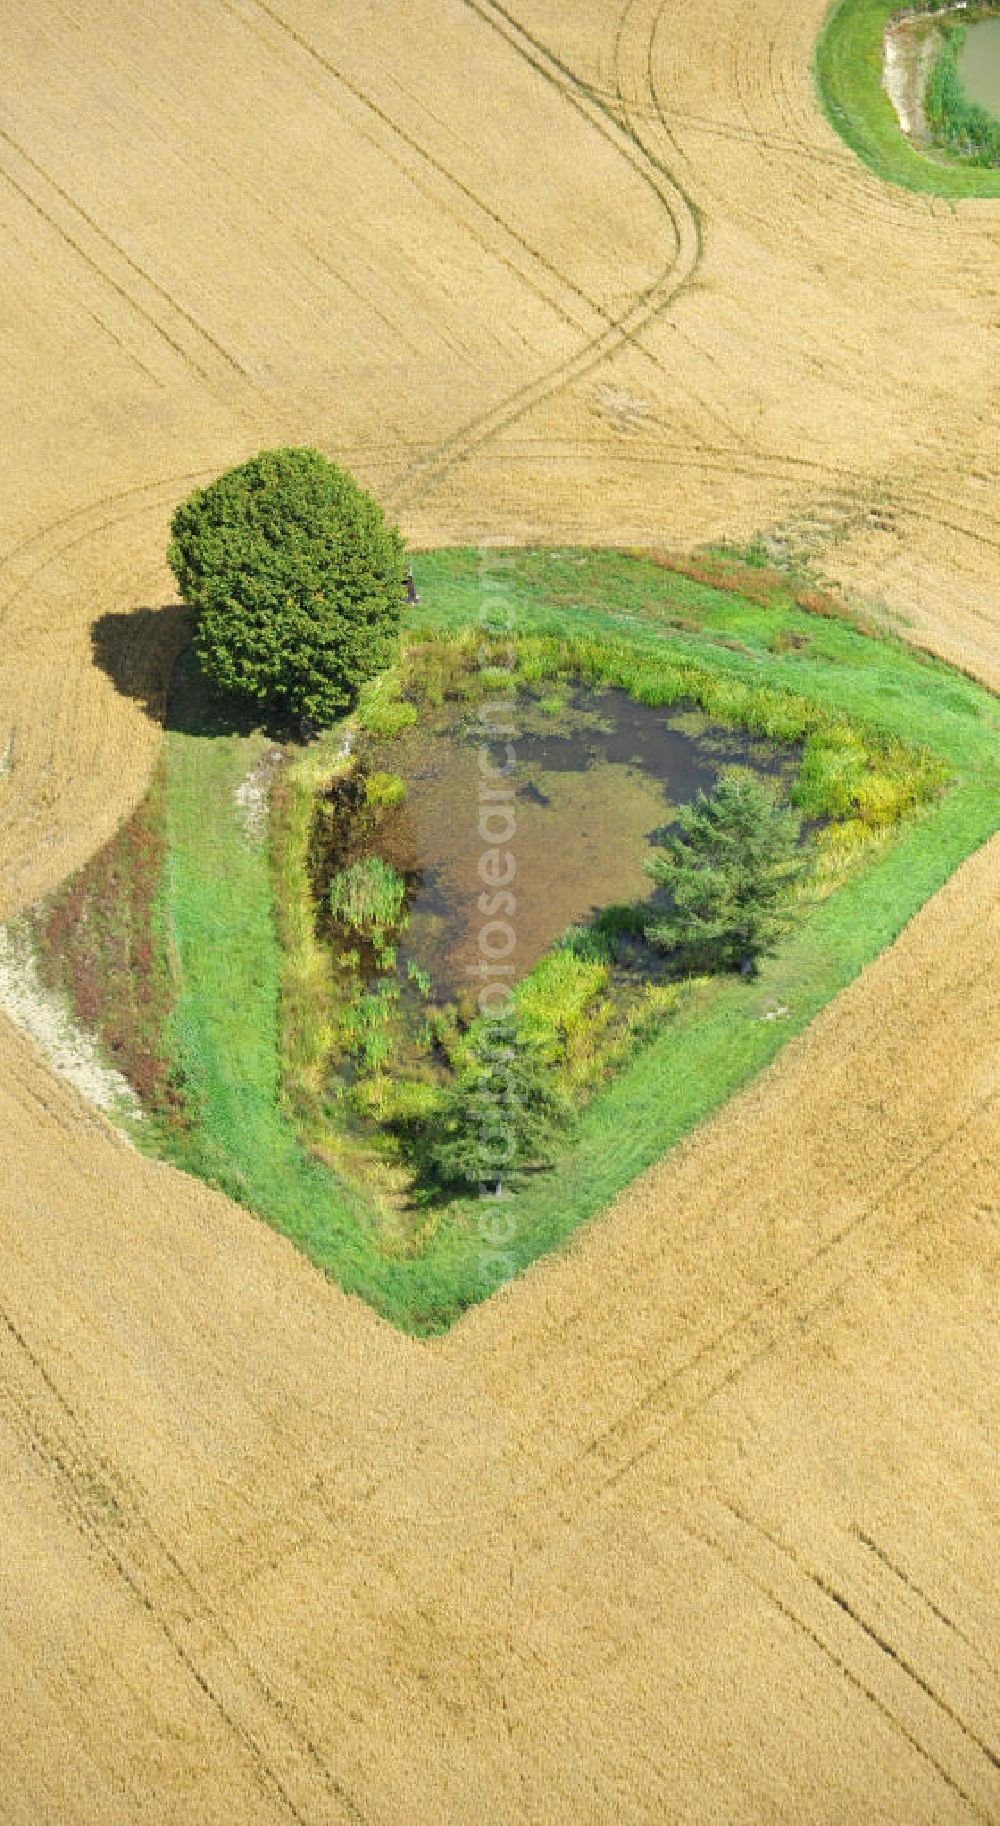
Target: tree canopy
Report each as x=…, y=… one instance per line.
x=503, y=1116
x=296, y=579
x=729, y=871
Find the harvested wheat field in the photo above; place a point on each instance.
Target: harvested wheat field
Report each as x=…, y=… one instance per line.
x=697, y=1521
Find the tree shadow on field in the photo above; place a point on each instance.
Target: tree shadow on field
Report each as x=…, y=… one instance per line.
x=148, y=656
x=138, y=649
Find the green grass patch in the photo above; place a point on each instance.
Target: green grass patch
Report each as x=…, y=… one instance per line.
x=367, y=896
x=848, y=71
x=384, y=790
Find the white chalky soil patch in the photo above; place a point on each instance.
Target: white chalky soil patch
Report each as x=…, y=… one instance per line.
x=251, y=796
x=42, y=1013
x=910, y=46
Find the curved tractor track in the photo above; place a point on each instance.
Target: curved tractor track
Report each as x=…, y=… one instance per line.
x=615, y=124
x=697, y=1521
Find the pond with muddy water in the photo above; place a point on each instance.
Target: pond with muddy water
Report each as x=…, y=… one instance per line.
x=590, y=779
x=979, y=64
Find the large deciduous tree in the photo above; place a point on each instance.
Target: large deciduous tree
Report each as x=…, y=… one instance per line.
x=296, y=579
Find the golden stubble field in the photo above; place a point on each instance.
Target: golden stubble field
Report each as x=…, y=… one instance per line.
x=697, y=1523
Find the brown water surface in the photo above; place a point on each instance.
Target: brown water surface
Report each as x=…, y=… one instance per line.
x=590, y=787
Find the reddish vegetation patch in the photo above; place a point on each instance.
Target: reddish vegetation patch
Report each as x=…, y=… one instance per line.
x=97, y=942
x=758, y=583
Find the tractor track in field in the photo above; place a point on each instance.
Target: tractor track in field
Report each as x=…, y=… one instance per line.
x=814, y=1287
x=759, y=1558
x=756, y=1333
x=109, y=1518
x=207, y=348
x=498, y=224
x=642, y=115
x=948, y=1623
x=851, y=1607
x=427, y=473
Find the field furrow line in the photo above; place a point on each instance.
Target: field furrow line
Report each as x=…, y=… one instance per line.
x=498, y=223
x=95, y=266
x=601, y=1464
x=208, y=345
x=756, y=1333
x=749, y=1569
x=236, y=180
x=35, y=256
x=910, y=1584
x=903, y=498
x=43, y=538
x=645, y=117
x=850, y=1609
x=97, y=1501
x=649, y=304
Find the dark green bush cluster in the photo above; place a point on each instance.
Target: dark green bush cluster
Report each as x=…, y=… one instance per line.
x=504, y=1115
x=730, y=870
x=957, y=123
x=296, y=581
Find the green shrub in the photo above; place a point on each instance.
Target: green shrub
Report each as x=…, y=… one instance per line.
x=779, y=716
x=534, y=668
x=611, y=931
x=625, y=919
x=411, y=1102
x=296, y=581
x=382, y=709
x=886, y=795
x=729, y=869
x=841, y=846
x=557, y=1002
x=657, y=1003
x=654, y=685
x=373, y=1012
x=503, y=1117
x=367, y=897
x=844, y=777
x=831, y=774
x=390, y=720
x=384, y=790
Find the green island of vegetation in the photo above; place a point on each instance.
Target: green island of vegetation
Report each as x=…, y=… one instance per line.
x=848, y=70
x=195, y=943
